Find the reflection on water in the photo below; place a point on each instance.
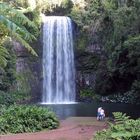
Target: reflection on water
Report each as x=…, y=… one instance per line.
x=89, y=109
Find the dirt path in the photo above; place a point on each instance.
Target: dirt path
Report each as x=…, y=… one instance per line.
x=73, y=128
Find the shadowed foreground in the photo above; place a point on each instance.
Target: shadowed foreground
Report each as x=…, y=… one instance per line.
x=73, y=128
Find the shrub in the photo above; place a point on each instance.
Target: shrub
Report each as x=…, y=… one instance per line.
x=89, y=93
x=130, y=97
x=123, y=128
x=5, y=98
x=86, y=93
x=19, y=119
x=9, y=98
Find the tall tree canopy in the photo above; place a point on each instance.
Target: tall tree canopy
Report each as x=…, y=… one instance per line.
x=113, y=26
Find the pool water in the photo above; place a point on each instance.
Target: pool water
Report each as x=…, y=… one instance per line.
x=90, y=109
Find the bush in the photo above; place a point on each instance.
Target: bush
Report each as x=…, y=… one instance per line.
x=130, y=97
x=6, y=98
x=19, y=119
x=86, y=93
x=123, y=128
x=89, y=94
x=9, y=98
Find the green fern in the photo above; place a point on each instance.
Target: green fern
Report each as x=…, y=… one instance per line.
x=123, y=129
x=120, y=117
x=3, y=55
x=18, y=24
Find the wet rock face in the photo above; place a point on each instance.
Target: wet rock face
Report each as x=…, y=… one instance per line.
x=21, y=64
x=94, y=48
x=29, y=69
x=86, y=65
x=20, y=50
x=86, y=62
x=22, y=58
x=85, y=79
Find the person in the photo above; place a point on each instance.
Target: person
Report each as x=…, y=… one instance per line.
x=100, y=114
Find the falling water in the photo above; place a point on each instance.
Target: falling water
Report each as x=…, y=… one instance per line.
x=58, y=60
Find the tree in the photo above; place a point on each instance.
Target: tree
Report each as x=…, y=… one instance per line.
x=113, y=26
x=18, y=27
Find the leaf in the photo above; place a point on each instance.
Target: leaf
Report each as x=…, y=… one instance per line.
x=3, y=55
x=18, y=24
x=121, y=134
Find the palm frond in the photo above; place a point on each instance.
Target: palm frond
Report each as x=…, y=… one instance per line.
x=18, y=25
x=15, y=15
x=11, y=26
x=3, y=55
x=120, y=117
x=24, y=43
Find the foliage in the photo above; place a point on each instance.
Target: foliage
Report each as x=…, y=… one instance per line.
x=18, y=25
x=114, y=27
x=19, y=96
x=124, y=66
x=3, y=55
x=88, y=94
x=3, y=52
x=87, y=62
x=77, y=12
x=9, y=92
x=6, y=99
x=12, y=97
x=136, y=86
x=58, y=7
x=23, y=79
x=34, y=8
x=8, y=73
x=122, y=129
x=130, y=97
x=19, y=119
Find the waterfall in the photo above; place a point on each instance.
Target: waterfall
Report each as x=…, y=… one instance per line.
x=58, y=60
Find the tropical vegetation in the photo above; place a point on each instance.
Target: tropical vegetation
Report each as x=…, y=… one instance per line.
x=107, y=45
x=122, y=128
x=112, y=28
x=16, y=25
x=23, y=118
